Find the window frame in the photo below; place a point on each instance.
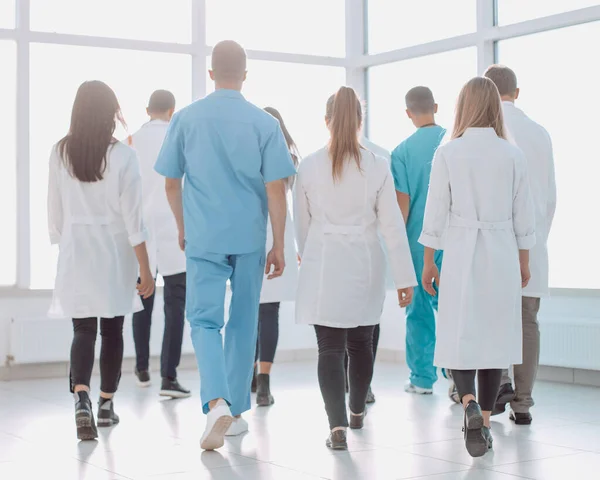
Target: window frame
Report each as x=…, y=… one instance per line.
x=356, y=63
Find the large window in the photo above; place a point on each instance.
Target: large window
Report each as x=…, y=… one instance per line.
x=309, y=26
x=158, y=20
x=7, y=14
x=8, y=179
x=396, y=24
x=56, y=73
x=513, y=11
x=299, y=92
x=559, y=90
x=445, y=73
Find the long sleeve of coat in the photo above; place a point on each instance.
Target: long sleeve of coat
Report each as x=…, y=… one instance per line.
x=301, y=212
x=55, y=208
x=551, y=209
x=392, y=229
x=438, y=204
x=131, y=201
x=523, y=208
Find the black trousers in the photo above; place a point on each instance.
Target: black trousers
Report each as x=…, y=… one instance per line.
x=333, y=344
x=174, y=299
x=268, y=332
x=376, y=330
x=85, y=331
x=488, y=385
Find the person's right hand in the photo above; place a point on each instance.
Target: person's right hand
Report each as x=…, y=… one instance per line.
x=275, y=259
x=405, y=296
x=525, y=274
x=145, y=287
x=431, y=274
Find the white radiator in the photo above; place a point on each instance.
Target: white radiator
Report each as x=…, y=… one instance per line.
x=572, y=343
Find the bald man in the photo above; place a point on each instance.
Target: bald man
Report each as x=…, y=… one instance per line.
x=235, y=160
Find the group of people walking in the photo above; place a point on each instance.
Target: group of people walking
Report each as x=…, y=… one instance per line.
x=206, y=205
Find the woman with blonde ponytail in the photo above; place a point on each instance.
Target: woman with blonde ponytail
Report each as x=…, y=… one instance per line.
x=344, y=198
x=479, y=211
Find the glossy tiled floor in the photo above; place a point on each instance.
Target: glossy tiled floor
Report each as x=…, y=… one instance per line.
x=405, y=437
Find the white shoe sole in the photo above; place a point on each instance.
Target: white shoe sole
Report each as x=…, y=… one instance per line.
x=418, y=391
x=216, y=437
x=143, y=384
x=174, y=394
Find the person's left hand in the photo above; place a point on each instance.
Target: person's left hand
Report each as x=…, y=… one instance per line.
x=276, y=260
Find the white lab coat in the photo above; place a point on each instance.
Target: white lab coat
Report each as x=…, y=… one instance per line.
x=163, y=239
x=96, y=225
x=342, y=275
x=479, y=211
x=535, y=143
x=376, y=149
x=282, y=289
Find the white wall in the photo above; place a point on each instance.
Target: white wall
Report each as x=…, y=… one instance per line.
x=570, y=330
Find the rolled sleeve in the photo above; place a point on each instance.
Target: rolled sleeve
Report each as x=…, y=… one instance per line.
x=431, y=241
x=276, y=159
x=526, y=242
x=171, y=159
x=138, y=238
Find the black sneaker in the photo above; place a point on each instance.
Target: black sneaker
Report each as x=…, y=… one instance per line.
x=143, y=378
x=370, y=396
x=106, y=413
x=521, y=418
x=475, y=440
x=337, y=440
x=84, y=417
x=263, y=390
x=171, y=388
x=505, y=395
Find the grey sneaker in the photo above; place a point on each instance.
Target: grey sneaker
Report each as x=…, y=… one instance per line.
x=337, y=440
x=475, y=440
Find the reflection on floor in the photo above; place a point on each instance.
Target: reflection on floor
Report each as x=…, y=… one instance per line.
x=404, y=436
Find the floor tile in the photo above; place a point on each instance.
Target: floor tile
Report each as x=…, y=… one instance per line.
x=580, y=466
x=405, y=436
x=506, y=450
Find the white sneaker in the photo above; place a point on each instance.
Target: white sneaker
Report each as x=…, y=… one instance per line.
x=218, y=421
x=238, y=427
x=410, y=388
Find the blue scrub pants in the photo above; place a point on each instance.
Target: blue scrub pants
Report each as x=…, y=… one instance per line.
x=225, y=370
x=420, y=330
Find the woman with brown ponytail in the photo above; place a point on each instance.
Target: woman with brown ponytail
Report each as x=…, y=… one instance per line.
x=344, y=197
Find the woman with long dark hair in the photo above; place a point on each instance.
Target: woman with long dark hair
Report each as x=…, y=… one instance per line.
x=95, y=217
x=282, y=289
x=344, y=198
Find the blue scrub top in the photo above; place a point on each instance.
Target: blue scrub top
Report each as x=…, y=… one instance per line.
x=227, y=149
x=411, y=167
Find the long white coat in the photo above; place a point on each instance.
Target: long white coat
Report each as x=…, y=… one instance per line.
x=479, y=211
x=535, y=143
x=282, y=289
x=342, y=275
x=96, y=226
x=163, y=239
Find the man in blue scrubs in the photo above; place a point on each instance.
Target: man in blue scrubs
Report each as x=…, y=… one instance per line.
x=411, y=167
x=234, y=158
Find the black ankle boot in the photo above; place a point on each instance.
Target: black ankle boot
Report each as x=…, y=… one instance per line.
x=84, y=417
x=263, y=390
x=253, y=384
x=106, y=413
